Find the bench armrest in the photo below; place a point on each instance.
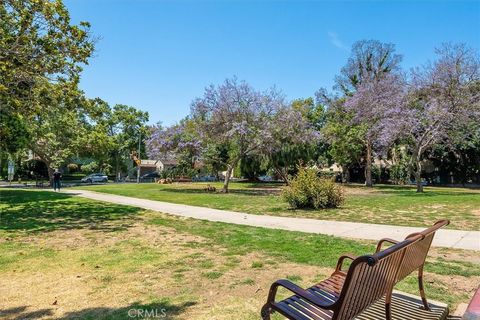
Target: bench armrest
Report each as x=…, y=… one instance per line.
x=296, y=290
x=341, y=259
x=382, y=241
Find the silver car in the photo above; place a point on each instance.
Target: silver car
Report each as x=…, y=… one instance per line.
x=95, y=177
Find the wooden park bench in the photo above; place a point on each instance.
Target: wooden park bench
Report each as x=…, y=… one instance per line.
x=415, y=256
x=369, y=278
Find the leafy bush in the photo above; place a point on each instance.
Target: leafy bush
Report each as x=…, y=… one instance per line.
x=90, y=167
x=308, y=190
x=72, y=167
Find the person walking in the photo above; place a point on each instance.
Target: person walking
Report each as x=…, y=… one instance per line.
x=57, y=176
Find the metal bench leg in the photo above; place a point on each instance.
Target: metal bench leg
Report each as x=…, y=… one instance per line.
x=388, y=306
x=422, y=291
x=265, y=313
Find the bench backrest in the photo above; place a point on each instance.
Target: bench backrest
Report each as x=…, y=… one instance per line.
x=370, y=277
x=416, y=254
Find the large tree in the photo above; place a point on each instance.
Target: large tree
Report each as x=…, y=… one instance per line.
x=237, y=115
x=180, y=141
x=112, y=133
x=344, y=138
x=372, y=105
x=296, y=137
x=443, y=105
x=57, y=129
x=370, y=62
x=38, y=43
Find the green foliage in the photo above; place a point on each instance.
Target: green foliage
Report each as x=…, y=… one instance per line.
x=57, y=127
x=179, y=171
x=399, y=171
x=90, y=167
x=345, y=139
x=249, y=167
x=38, y=44
x=376, y=173
x=290, y=153
x=112, y=133
x=72, y=167
x=37, y=167
x=215, y=157
x=307, y=190
x=13, y=131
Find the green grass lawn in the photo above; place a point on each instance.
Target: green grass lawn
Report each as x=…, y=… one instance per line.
x=68, y=257
x=383, y=204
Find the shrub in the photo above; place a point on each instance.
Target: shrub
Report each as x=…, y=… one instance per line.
x=72, y=167
x=307, y=190
x=90, y=167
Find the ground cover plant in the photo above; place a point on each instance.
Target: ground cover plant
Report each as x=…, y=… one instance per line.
x=68, y=258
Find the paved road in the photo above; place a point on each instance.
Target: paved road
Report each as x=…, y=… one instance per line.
x=444, y=238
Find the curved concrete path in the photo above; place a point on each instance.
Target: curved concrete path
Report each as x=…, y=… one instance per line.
x=457, y=239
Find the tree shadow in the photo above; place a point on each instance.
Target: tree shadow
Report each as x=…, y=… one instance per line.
x=161, y=310
x=20, y=313
x=411, y=191
x=36, y=211
x=158, y=310
x=200, y=190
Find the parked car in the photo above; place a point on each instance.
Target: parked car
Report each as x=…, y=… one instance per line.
x=95, y=177
x=265, y=178
x=423, y=182
x=150, y=176
x=210, y=178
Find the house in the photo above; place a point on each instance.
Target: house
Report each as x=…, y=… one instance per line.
x=148, y=166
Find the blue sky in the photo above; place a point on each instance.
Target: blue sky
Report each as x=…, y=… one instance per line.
x=159, y=55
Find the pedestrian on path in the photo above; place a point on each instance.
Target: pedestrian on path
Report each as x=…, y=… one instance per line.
x=57, y=176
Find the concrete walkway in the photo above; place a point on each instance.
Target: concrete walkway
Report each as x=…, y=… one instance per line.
x=444, y=238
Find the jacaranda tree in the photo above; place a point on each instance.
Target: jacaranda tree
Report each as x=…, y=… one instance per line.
x=370, y=62
x=443, y=105
x=237, y=115
x=237, y=121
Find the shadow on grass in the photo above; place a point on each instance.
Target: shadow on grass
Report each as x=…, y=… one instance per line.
x=248, y=192
x=47, y=211
x=411, y=191
x=19, y=313
x=162, y=310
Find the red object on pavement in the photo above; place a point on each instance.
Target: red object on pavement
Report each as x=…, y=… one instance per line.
x=473, y=309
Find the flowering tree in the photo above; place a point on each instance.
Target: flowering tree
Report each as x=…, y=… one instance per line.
x=373, y=104
x=443, y=105
x=181, y=140
x=236, y=115
x=295, y=136
x=362, y=80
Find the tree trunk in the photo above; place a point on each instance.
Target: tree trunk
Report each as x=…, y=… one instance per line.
x=230, y=168
x=50, y=173
x=227, y=178
x=283, y=173
x=368, y=167
x=117, y=166
x=418, y=176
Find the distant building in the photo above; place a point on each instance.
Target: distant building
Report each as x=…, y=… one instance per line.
x=148, y=166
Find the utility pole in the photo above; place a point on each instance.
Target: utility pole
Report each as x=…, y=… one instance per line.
x=139, y=157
